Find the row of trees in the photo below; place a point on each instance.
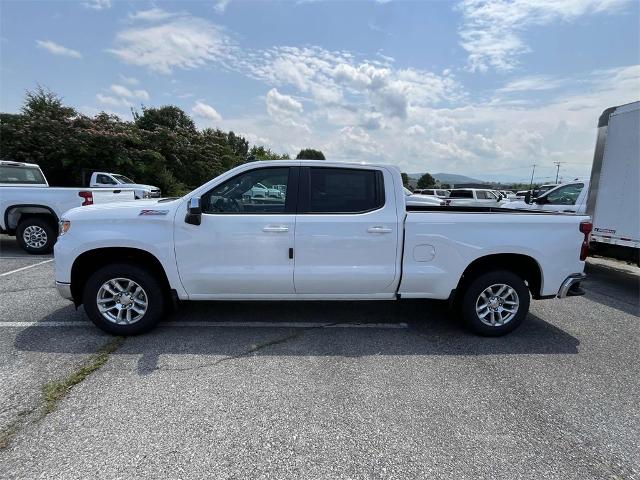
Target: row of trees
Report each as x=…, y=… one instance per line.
x=161, y=146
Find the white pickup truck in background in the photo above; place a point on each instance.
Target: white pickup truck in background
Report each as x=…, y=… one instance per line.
x=115, y=180
x=341, y=232
x=567, y=198
x=478, y=197
x=30, y=208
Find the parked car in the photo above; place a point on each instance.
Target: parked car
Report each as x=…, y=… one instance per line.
x=30, y=208
x=474, y=197
x=432, y=191
x=343, y=233
x=419, y=199
x=112, y=180
x=614, y=197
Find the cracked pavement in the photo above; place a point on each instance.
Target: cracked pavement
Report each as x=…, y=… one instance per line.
x=555, y=399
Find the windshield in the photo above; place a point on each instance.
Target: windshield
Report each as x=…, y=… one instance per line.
x=122, y=178
x=21, y=175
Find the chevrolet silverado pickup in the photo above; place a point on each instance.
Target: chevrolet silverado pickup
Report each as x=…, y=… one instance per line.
x=341, y=232
x=30, y=209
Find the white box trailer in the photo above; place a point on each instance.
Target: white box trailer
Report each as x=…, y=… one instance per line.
x=614, y=194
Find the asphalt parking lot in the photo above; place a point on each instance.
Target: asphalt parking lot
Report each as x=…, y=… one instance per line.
x=320, y=389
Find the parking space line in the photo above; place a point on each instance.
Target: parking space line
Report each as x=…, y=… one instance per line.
x=25, y=268
x=219, y=324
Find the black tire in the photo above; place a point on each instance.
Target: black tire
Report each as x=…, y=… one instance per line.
x=480, y=284
x=42, y=229
x=152, y=288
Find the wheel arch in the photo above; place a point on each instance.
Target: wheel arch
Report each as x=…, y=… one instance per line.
x=13, y=214
x=90, y=261
x=522, y=265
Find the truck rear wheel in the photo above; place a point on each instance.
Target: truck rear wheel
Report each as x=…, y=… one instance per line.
x=36, y=235
x=123, y=299
x=495, y=303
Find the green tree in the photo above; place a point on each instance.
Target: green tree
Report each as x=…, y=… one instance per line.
x=405, y=179
x=310, y=154
x=261, y=153
x=446, y=186
x=426, y=181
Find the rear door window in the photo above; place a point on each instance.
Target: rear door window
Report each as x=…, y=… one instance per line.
x=343, y=190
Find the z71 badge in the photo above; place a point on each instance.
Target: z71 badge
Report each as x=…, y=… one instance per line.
x=154, y=212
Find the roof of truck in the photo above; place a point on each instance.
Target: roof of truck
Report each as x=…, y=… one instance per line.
x=17, y=164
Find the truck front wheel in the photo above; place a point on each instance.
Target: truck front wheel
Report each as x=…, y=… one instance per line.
x=123, y=299
x=495, y=303
x=36, y=235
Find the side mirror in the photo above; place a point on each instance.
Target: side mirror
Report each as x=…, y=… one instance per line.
x=527, y=197
x=194, y=212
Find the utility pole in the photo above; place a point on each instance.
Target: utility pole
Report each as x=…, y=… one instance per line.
x=532, y=172
x=557, y=164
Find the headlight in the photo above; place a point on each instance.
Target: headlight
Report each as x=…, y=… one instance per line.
x=64, y=226
x=146, y=194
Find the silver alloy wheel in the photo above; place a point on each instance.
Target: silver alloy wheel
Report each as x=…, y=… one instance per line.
x=122, y=301
x=35, y=236
x=497, y=305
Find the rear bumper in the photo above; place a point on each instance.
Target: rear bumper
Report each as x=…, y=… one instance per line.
x=571, y=286
x=64, y=289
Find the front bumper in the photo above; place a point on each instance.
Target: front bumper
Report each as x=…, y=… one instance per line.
x=571, y=286
x=64, y=289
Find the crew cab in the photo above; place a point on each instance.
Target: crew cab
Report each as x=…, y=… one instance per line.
x=342, y=232
x=30, y=208
x=111, y=180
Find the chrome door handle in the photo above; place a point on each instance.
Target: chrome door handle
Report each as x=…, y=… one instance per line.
x=275, y=228
x=379, y=230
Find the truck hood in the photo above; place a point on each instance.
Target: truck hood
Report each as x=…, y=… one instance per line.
x=128, y=209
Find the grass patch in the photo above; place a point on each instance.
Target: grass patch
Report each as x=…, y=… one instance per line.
x=55, y=391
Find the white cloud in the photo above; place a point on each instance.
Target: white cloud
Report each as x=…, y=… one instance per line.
x=124, y=92
x=57, y=49
x=111, y=101
x=97, y=4
x=221, y=5
x=129, y=80
x=184, y=42
x=492, y=29
x=206, y=112
x=279, y=104
x=534, y=83
x=154, y=14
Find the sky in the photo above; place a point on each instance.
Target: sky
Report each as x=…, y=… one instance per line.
x=479, y=88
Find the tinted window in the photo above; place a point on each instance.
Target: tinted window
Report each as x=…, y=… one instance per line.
x=461, y=194
x=341, y=190
x=566, y=195
x=26, y=175
x=105, y=179
x=262, y=190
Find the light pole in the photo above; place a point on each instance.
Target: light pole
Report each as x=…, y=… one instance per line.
x=532, y=172
x=557, y=164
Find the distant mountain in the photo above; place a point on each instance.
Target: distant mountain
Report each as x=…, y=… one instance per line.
x=448, y=178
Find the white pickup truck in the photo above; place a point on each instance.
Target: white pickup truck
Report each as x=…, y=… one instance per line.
x=30, y=208
x=115, y=180
x=342, y=232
